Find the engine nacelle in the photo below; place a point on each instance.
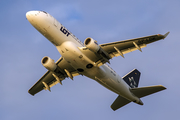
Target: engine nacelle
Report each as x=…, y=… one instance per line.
x=49, y=63
x=91, y=44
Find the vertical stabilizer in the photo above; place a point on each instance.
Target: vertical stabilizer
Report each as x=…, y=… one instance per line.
x=132, y=78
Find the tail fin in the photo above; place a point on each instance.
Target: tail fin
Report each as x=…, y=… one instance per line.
x=132, y=78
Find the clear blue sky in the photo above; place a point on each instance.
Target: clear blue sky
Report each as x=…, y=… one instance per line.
x=22, y=48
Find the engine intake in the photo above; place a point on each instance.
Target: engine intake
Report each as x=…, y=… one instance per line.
x=91, y=44
x=49, y=63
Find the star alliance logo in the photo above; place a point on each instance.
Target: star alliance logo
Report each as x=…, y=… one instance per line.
x=132, y=82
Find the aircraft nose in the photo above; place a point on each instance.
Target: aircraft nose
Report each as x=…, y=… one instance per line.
x=31, y=14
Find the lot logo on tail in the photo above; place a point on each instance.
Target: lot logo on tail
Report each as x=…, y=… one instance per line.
x=132, y=82
x=132, y=78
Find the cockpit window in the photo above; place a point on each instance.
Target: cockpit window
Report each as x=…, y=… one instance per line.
x=44, y=12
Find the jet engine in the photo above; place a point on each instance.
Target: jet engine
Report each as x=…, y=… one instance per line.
x=91, y=44
x=49, y=63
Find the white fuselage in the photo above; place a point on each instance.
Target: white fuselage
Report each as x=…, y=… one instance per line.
x=68, y=46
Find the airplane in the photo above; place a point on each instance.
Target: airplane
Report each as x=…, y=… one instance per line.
x=90, y=59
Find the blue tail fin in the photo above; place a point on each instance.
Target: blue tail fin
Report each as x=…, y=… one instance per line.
x=132, y=78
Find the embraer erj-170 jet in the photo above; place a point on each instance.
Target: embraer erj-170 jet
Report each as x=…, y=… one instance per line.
x=89, y=59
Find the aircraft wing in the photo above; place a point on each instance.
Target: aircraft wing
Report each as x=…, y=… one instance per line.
x=50, y=80
x=115, y=49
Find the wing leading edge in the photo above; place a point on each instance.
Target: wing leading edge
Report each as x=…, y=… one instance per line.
x=48, y=78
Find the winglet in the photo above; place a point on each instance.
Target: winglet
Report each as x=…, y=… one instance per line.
x=165, y=35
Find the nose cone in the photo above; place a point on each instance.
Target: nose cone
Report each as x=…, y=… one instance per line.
x=31, y=14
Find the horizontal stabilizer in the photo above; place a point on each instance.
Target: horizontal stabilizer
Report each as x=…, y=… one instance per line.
x=119, y=102
x=144, y=91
